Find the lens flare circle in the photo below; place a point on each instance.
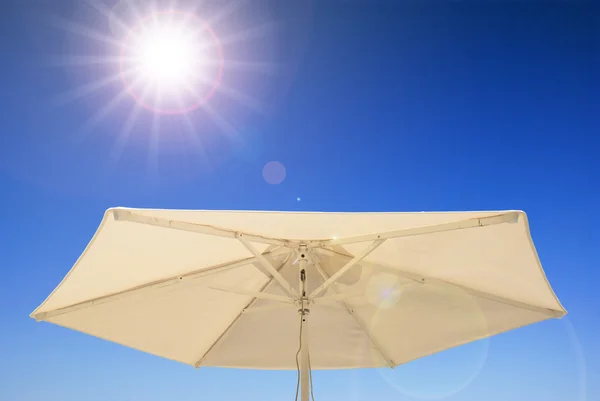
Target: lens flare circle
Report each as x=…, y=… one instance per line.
x=171, y=55
x=274, y=173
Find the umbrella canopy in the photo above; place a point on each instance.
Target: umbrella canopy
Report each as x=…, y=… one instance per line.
x=224, y=288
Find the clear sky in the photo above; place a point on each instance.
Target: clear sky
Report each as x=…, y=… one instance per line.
x=370, y=106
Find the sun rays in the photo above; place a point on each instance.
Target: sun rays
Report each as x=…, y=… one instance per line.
x=161, y=60
x=170, y=50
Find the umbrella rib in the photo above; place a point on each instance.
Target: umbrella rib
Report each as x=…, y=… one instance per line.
x=234, y=321
x=266, y=308
x=339, y=296
x=267, y=265
x=256, y=294
x=498, y=299
x=476, y=293
x=350, y=311
x=126, y=215
x=153, y=285
x=510, y=217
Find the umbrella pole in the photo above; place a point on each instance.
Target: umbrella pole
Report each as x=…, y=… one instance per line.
x=304, y=365
x=304, y=357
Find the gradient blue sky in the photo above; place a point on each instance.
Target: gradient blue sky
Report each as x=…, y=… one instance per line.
x=370, y=106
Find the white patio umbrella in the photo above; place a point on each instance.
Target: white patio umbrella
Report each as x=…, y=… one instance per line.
x=259, y=290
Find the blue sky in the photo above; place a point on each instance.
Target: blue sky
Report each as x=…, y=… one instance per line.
x=370, y=106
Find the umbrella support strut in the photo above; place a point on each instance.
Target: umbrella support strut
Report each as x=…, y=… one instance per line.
x=305, y=374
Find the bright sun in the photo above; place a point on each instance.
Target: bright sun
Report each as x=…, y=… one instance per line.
x=171, y=62
x=192, y=62
x=168, y=57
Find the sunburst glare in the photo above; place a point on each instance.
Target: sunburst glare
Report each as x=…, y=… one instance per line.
x=168, y=59
x=177, y=79
x=169, y=52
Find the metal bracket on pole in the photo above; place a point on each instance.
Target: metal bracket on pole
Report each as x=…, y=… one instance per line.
x=347, y=267
x=267, y=265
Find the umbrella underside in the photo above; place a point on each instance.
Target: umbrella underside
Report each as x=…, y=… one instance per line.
x=223, y=288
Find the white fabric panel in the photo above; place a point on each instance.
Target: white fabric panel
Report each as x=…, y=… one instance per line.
x=124, y=255
x=178, y=322
x=270, y=340
x=496, y=259
x=428, y=319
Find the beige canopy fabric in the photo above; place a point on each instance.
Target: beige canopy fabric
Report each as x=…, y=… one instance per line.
x=222, y=288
